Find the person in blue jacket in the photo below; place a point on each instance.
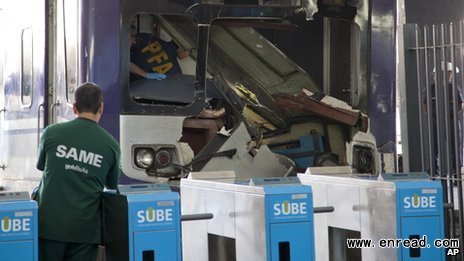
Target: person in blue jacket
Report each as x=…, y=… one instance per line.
x=153, y=58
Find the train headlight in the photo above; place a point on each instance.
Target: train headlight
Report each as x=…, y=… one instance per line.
x=144, y=158
x=163, y=158
x=156, y=159
x=363, y=159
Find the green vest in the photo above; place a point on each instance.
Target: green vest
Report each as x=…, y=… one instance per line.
x=78, y=159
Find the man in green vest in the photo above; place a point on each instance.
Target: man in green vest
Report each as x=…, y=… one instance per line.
x=78, y=159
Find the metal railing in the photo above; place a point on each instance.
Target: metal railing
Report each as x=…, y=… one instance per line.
x=433, y=73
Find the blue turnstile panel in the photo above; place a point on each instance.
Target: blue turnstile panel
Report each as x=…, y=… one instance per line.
x=18, y=251
x=142, y=223
x=420, y=217
x=159, y=212
x=289, y=215
x=417, y=228
x=18, y=227
x=291, y=241
x=152, y=245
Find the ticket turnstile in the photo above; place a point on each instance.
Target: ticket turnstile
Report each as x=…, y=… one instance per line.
x=257, y=219
x=394, y=211
x=18, y=228
x=142, y=223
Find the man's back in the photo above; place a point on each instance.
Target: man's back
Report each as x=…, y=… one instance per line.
x=78, y=158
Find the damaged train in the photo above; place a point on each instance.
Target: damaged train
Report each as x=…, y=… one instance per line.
x=275, y=119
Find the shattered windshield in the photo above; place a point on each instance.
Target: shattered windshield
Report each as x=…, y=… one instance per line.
x=238, y=54
x=242, y=60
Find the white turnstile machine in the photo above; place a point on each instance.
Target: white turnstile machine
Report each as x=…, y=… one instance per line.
x=394, y=211
x=254, y=219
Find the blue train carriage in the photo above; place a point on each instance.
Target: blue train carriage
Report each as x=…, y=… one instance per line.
x=275, y=113
x=271, y=103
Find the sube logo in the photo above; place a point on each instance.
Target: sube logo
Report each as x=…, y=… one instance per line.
x=154, y=215
x=416, y=201
x=15, y=224
x=290, y=208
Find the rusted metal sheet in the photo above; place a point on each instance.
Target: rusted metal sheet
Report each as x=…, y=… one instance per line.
x=306, y=104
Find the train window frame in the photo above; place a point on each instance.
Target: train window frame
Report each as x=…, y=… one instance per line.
x=142, y=22
x=204, y=15
x=27, y=73
x=71, y=33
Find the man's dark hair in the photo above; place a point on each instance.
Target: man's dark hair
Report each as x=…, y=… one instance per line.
x=88, y=98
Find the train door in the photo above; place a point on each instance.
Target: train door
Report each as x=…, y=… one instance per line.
x=67, y=67
x=22, y=92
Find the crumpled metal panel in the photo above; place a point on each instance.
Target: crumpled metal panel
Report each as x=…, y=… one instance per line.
x=311, y=106
x=244, y=57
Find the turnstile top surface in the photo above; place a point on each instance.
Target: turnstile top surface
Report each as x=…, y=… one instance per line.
x=348, y=179
x=14, y=196
x=255, y=186
x=387, y=180
x=229, y=184
x=143, y=188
